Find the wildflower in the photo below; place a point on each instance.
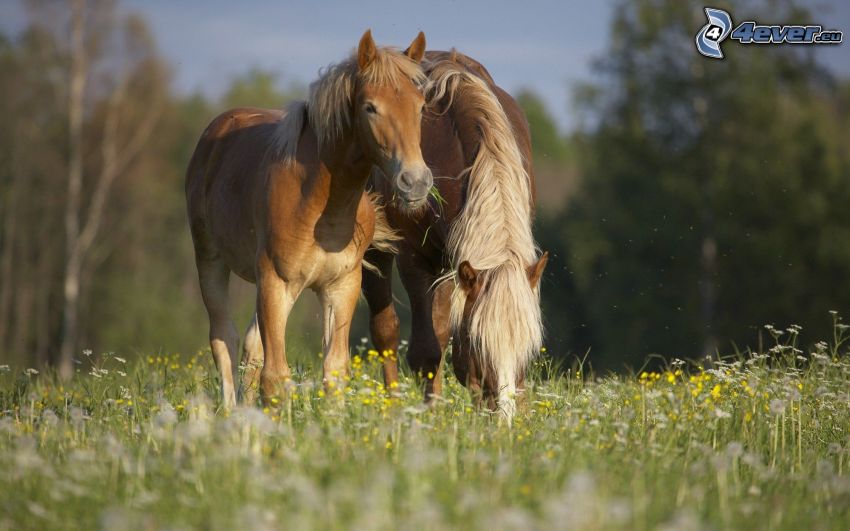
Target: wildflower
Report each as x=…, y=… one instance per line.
x=777, y=406
x=31, y=372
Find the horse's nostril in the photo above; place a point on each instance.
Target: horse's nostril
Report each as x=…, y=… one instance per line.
x=414, y=186
x=405, y=182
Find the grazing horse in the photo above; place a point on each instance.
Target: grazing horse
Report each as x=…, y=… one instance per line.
x=468, y=260
x=277, y=197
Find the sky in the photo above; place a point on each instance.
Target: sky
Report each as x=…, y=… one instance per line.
x=547, y=45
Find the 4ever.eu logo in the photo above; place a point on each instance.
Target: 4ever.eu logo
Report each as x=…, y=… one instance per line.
x=719, y=27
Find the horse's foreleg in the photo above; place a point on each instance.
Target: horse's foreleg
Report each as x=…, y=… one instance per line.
x=338, y=302
x=383, y=321
x=440, y=313
x=252, y=363
x=428, y=338
x=214, y=279
x=274, y=301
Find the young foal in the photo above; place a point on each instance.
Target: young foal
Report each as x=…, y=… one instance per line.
x=480, y=231
x=278, y=198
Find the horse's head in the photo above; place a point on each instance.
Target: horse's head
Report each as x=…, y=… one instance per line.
x=498, y=329
x=387, y=118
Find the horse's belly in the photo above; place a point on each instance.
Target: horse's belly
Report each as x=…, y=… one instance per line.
x=237, y=243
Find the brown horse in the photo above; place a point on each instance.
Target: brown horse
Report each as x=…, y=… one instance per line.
x=278, y=198
x=468, y=261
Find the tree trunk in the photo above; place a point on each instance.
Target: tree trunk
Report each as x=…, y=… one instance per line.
x=71, y=283
x=7, y=255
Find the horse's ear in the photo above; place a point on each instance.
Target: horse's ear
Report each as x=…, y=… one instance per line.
x=366, y=51
x=535, y=270
x=416, y=50
x=467, y=276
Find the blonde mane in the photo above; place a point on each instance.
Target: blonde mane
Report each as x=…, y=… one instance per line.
x=329, y=105
x=493, y=233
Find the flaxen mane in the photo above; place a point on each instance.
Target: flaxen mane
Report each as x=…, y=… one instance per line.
x=329, y=105
x=493, y=233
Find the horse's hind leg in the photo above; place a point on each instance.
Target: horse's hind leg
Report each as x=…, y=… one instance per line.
x=383, y=321
x=215, y=279
x=252, y=363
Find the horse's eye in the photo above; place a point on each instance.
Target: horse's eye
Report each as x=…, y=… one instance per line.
x=371, y=109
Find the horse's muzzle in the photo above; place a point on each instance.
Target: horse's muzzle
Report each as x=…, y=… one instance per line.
x=413, y=186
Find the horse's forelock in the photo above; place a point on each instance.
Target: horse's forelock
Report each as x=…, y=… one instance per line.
x=331, y=96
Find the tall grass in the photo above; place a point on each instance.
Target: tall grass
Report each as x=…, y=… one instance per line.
x=757, y=441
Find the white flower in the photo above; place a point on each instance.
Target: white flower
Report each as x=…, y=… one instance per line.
x=719, y=413
x=777, y=406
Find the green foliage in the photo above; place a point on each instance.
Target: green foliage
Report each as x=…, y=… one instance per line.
x=713, y=194
x=549, y=147
x=754, y=439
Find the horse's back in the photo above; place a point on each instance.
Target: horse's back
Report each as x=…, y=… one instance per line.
x=223, y=177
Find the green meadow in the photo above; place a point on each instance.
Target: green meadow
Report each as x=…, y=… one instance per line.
x=758, y=440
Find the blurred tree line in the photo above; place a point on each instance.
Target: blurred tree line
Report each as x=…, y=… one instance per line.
x=137, y=287
x=712, y=196
x=696, y=200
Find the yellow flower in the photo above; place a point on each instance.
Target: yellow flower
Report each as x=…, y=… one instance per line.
x=715, y=392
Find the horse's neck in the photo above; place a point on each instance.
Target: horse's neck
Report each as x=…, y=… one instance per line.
x=346, y=172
